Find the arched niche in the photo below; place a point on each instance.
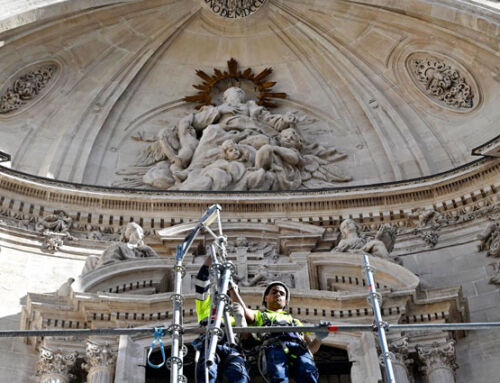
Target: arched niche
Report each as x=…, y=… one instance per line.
x=335, y=271
x=142, y=277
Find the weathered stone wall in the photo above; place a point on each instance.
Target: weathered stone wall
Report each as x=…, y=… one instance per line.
x=23, y=270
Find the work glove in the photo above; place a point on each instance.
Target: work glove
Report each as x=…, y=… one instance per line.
x=323, y=335
x=239, y=315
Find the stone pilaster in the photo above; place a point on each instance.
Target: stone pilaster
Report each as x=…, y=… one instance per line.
x=100, y=363
x=54, y=366
x=401, y=362
x=439, y=362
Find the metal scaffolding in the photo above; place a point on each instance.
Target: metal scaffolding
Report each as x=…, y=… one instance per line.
x=222, y=270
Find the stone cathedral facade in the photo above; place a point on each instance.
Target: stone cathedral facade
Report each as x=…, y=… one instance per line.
x=325, y=129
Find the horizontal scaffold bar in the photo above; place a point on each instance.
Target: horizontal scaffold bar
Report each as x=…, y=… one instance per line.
x=265, y=329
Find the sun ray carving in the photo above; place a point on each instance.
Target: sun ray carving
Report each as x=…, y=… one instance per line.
x=264, y=91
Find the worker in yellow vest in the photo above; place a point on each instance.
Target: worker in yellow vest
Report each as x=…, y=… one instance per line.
x=230, y=361
x=285, y=355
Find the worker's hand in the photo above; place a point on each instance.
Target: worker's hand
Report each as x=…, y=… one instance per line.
x=239, y=315
x=232, y=286
x=323, y=335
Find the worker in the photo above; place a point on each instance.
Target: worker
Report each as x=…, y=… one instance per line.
x=230, y=361
x=286, y=355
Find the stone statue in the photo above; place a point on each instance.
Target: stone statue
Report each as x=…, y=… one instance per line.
x=383, y=243
x=350, y=237
x=65, y=289
x=242, y=146
x=352, y=241
x=131, y=247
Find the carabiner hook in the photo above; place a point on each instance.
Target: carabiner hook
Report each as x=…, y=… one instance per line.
x=158, y=334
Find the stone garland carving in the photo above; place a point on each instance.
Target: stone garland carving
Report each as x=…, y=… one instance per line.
x=429, y=222
x=441, y=81
x=439, y=358
x=55, y=366
x=26, y=87
x=242, y=147
x=234, y=8
x=132, y=247
x=55, y=228
x=490, y=241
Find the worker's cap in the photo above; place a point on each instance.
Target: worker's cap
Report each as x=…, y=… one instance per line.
x=268, y=288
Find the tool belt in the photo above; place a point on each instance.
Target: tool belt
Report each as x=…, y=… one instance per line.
x=278, y=342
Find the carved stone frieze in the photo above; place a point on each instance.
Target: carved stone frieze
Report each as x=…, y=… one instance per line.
x=234, y=9
x=26, y=87
x=442, y=80
x=55, y=366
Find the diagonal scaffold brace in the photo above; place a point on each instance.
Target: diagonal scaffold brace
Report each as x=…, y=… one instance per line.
x=176, y=361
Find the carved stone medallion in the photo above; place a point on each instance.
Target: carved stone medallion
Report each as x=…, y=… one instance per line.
x=443, y=81
x=26, y=87
x=234, y=9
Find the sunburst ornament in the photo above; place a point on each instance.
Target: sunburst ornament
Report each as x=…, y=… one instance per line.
x=256, y=86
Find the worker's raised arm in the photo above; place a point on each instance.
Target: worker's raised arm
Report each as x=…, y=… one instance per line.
x=235, y=297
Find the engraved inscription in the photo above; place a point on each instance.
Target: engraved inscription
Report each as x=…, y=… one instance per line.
x=234, y=9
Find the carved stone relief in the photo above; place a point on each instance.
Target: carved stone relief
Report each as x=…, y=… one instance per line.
x=26, y=87
x=234, y=9
x=443, y=81
x=241, y=146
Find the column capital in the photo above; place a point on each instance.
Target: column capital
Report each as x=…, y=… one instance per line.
x=399, y=347
x=99, y=356
x=55, y=364
x=438, y=356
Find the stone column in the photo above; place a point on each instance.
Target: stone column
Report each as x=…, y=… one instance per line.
x=100, y=363
x=54, y=366
x=439, y=362
x=401, y=362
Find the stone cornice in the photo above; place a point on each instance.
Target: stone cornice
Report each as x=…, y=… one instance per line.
x=458, y=184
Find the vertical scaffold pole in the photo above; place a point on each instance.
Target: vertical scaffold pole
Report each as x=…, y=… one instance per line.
x=379, y=324
x=175, y=362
